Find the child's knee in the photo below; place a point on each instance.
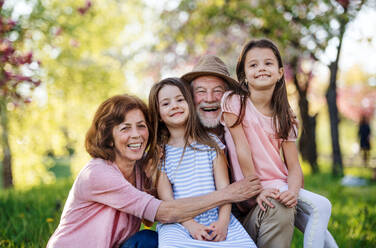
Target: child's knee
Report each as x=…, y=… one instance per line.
x=322, y=208
x=324, y=205
x=317, y=203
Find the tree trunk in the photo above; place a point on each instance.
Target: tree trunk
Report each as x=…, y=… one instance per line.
x=331, y=97
x=7, y=156
x=307, y=142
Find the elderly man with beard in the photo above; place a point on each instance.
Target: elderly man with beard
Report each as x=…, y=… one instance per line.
x=209, y=79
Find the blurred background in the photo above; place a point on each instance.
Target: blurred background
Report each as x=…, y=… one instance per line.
x=61, y=59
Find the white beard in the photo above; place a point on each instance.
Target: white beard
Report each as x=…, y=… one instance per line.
x=208, y=122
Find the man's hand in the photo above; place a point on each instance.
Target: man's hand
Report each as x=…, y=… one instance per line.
x=219, y=230
x=198, y=231
x=263, y=197
x=288, y=198
x=244, y=189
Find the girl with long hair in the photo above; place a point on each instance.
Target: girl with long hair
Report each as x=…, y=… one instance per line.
x=261, y=131
x=193, y=164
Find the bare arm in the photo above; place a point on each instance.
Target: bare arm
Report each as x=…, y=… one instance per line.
x=164, y=188
x=295, y=175
x=186, y=208
x=243, y=151
x=221, y=180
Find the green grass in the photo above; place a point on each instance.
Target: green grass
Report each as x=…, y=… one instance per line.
x=28, y=218
x=353, y=220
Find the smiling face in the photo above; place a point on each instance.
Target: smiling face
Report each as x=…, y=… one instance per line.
x=173, y=107
x=208, y=92
x=261, y=69
x=130, y=137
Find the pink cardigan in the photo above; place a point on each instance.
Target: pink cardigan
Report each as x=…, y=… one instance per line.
x=103, y=209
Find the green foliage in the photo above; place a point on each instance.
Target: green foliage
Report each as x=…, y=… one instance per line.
x=84, y=59
x=303, y=30
x=29, y=217
x=304, y=27
x=1, y=171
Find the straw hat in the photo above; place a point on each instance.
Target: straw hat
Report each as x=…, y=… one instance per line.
x=209, y=65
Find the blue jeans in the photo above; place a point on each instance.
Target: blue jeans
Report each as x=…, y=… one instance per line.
x=142, y=239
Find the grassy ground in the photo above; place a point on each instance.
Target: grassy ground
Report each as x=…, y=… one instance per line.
x=353, y=220
x=28, y=218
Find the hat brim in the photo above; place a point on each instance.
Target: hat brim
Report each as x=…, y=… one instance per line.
x=190, y=76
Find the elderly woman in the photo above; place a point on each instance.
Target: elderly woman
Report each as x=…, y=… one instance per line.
x=108, y=200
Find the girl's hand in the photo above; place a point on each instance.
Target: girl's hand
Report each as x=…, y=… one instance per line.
x=263, y=198
x=198, y=231
x=288, y=198
x=219, y=230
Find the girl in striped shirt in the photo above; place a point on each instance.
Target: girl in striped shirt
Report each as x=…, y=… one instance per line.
x=193, y=164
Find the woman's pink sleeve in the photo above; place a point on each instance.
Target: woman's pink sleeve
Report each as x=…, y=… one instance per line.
x=110, y=188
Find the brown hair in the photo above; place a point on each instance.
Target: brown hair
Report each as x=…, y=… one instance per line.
x=283, y=118
x=193, y=128
x=99, y=140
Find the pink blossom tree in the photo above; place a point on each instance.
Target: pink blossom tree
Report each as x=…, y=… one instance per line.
x=16, y=73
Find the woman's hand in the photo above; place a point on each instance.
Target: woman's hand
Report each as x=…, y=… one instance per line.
x=263, y=198
x=289, y=198
x=198, y=231
x=219, y=230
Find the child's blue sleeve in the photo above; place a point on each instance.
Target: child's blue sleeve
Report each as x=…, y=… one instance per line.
x=218, y=141
x=213, y=152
